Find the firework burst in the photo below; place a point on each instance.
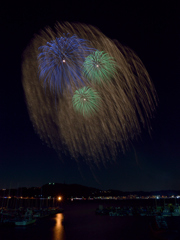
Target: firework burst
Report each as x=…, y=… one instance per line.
x=86, y=101
x=99, y=67
x=60, y=62
x=114, y=97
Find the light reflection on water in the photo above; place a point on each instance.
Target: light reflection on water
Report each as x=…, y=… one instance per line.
x=58, y=230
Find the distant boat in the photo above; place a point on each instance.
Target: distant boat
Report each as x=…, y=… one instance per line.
x=6, y=219
x=26, y=220
x=37, y=214
x=6, y=222
x=176, y=211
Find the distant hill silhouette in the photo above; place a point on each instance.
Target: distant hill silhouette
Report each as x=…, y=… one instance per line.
x=77, y=190
x=67, y=190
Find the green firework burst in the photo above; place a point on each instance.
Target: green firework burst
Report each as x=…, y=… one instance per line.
x=99, y=67
x=86, y=101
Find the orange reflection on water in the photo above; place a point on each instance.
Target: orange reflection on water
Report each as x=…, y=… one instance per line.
x=58, y=231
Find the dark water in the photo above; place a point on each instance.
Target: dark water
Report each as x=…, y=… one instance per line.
x=80, y=222
x=45, y=228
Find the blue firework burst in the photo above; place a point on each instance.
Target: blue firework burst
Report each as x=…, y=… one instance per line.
x=60, y=62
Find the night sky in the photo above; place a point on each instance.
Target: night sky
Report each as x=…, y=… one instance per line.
x=150, y=163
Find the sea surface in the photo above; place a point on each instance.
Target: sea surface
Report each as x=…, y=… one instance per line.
x=81, y=222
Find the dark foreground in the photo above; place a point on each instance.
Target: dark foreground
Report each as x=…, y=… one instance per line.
x=81, y=222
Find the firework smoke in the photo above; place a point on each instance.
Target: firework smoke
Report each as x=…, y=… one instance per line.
x=119, y=106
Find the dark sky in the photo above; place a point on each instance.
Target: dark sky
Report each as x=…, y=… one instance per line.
x=153, y=32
